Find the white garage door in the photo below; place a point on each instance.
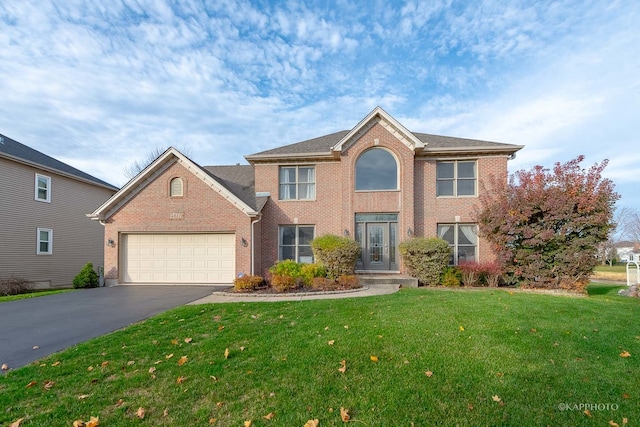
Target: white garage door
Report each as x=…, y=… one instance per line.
x=179, y=258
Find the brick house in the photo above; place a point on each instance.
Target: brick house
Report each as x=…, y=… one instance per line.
x=178, y=222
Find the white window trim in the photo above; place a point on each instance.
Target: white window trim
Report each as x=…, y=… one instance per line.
x=38, y=241
x=455, y=248
x=455, y=178
x=48, y=179
x=297, y=245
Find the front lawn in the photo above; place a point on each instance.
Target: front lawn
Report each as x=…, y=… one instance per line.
x=33, y=294
x=420, y=357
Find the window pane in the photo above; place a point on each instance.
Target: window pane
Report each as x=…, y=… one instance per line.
x=287, y=191
x=444, y=170
x=44, y=236
x=466, y=187
x=466, y=253
x=44, y=246
x=305, y=254
x=444, y=188
x=305, y=235
x=287, y=175
x=288, y=236
x=467, y=235
x=447, y=232
x=307, y=191
x=306, y=174
x=42, y=193
x=376, y=169
x=466, y=169
x=288, y=252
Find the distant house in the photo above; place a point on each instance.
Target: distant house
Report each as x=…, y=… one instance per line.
x=628, y=251
x=45, y=235
x=179, y=222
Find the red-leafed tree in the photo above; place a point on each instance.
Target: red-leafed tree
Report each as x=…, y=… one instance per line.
x=545, y=225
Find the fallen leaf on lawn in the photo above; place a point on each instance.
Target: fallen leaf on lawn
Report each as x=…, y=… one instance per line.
x=131, y=362
x=625, y=354
x=169, y=356
x=625, y=421
x=241, y=348
x=83, y=396
x=331, y=342
x=247, y=423
x=165, y=413
x=626, y=395
x=140, y=412
x=429, y=374
x=269, y=416
x=5, y=367
x=226, y=353
x=588, y=413
x=461, y=328
x=119, y=403
x=221, y=327
x=48, y=385
x=613, y=423
x=346, y=326
x=534, y=330
x=174, y=341
x=182, y=360
x=93, y=422
x=344, y=414
x=78, y=423
x=17, y=422
x=105, y=363
x=470, y=406
x=496, y=398
x=56, y=363
x=219, y=404
x=499, y=374
x=326, y=328
x=213, y=377
x=181, y=379
x=312, y=423
x=373, y=358
x=35, y=347
x=343, y=366
x=90, y=368
x=212, y=420
x=188, y=340
x=152, y=369
x=32, y=383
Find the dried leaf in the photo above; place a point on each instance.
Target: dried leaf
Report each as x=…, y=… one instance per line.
x=587, y=413
x=496, y=398
x=461, y=328
x=470, y=406
x=174, y=341
x=613, y=424
x=48, y=385
x=344, y=414
x=5, y=367
x=625, y=354
x=56, y=363
x=221, y=327
x=312, y=423
x=247, y=423
x=226, y=353
x=212, y=420
x=219, y=404
x=105, y=363
x=119, y=403
x=83, y=396
x=626, y=395
x=625, y=421
x=16, y=423
x=428, y=373
x=152, y=369
x=346, y=326
x=90, y=368
x=93, y=422
x=374, y=358
x=181, y=379
x=269, y=416
x=343, y=366
x=35, y=347
x=32, y=383
x=182, y=360
x=331, y=342
x=78, y=423
x=169, y=356
x=241, y=348
x=140, y=412
x=165, y=413
x=188, y=340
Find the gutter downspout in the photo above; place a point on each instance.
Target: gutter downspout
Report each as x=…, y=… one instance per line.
x=253, y=255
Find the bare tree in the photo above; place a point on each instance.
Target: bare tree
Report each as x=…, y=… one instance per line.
x=138, y=166
x=628, y=224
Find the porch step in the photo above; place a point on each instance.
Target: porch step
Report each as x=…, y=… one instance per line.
x=388, y=279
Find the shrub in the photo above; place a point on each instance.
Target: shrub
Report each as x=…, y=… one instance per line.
x=283, y=282
x=470, y=273
x=15, y=286
x=348, y=282
x=337, y=254
x=247, y=283
x=312, y=271
x=324, y=284
x=426, y=258
x=451, y=277
x=287, y=267
x=87, y=278
x=491, y=273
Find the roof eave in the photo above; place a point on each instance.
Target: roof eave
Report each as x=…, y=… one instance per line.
x=259, y=157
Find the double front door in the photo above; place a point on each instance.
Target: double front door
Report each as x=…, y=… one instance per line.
x=378, y=243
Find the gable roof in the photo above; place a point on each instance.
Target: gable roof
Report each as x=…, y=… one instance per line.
x=15, y=151
x=234, y=183
x=423, y=143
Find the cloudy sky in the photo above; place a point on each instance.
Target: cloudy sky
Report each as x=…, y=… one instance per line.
x=99, y=85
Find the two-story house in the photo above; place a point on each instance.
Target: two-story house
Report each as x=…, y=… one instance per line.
x=178, y=222
x=45, y=236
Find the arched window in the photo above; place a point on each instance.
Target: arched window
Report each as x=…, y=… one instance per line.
x=176, y=188
x=376, y=169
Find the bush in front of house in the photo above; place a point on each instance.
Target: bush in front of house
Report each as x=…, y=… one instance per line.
x=247, y=283
x=426, y=258
x=14, y=286
x=337, y=254
x=87, y=278
x=451, y=277
x=348, y=282
x=284, y=283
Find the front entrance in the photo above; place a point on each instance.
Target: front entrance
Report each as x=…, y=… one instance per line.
x=377, y=236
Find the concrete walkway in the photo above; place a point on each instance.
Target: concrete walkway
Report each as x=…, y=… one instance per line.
x=365, y=291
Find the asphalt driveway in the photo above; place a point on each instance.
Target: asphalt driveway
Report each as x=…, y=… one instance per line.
x=55, y=322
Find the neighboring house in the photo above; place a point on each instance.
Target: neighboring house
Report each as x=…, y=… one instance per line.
x=45, y=235
x=178, y=222
x=628, y=251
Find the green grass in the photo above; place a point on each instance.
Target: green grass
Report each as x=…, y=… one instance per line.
x=33, y=294
x=617, y=268
x=534, y=352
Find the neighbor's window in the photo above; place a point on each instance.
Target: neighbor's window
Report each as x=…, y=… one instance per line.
x=295, y=243
x=456, y=178
x=176, y=187
x=376, y=169
x=43, y=188
x=45, y=241
x=463, y=241
x=297, y=183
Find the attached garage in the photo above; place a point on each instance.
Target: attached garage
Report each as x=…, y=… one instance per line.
x=178, y=258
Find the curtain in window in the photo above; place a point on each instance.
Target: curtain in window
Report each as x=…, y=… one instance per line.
x=469, y=232
x=442, y=230
x=287, y=183
x=307, y=179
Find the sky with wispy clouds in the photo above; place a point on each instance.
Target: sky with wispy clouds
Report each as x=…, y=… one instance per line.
x=98, y=85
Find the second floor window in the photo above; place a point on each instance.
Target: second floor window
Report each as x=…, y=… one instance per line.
x=297, y=183
x=43, y=188
x=456, y=178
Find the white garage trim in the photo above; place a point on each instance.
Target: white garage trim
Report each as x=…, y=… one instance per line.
x=178, y=258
